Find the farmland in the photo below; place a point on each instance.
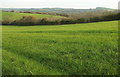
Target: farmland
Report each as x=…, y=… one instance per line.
x=75, y=49
x=17, y=16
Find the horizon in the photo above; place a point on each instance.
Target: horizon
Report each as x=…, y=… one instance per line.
x=76, y=4
x=53, y=8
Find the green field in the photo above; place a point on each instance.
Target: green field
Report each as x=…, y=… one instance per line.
x=16, y=16
x=76, y=49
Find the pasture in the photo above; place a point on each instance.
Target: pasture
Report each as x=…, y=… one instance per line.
x=16, y=16
x=75, y=49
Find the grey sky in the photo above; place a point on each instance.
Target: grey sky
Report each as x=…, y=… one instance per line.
x=82, y=4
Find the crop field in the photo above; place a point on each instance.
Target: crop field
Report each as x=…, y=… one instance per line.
x=16, y=16
x=75, y=49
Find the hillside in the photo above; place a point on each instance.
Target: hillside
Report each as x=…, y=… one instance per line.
x=76, y=49
x=16, y=16
x=68, y=12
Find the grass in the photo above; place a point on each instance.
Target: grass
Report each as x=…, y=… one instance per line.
x=16, y=16
x=76, y=49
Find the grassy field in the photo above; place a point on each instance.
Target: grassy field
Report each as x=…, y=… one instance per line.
x=76, y=49
x=16, y=16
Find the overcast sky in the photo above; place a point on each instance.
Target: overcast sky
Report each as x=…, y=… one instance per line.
x=82, y=4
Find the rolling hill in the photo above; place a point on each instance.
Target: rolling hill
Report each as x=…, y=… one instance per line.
x=16, y=16
x=59, y=10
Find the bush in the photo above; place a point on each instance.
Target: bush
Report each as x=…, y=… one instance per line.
x=7, y=21
x=12, y=11
x=26, y=20
x=95, y=19
x=43, y=21
x=68, y=21
x=20, y=12
x=82, y=20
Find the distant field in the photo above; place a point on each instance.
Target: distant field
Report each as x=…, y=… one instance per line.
x=16, y=16
x=76, y=49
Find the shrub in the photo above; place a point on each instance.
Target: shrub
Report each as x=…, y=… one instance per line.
x=82, y=20
x=26, y=20
x=95, y=19
x=20, y=12
x=12, y=11
x=68, y=21
x=7, y=21
x=43, y=21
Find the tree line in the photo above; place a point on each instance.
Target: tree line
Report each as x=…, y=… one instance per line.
x=32, y=20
